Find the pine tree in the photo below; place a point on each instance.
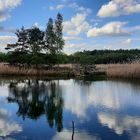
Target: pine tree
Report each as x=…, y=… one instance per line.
x=59, y=33
x=35, y=40
x=22, y=43
x=50, y=36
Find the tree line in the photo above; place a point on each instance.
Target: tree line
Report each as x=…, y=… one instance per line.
x=105, y=56
x=85, y=57
x=35, y=46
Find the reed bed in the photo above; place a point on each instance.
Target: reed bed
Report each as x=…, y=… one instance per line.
x=129, y=71
x=21, y=71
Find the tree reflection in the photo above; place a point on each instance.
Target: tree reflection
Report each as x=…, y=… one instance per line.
x=36, y=98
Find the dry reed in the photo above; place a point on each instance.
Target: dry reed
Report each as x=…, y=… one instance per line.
x=11, y=70
x=131, y=71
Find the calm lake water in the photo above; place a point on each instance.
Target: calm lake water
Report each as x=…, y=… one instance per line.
x=45, y=110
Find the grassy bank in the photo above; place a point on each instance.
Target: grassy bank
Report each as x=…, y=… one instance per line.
x=127, y=71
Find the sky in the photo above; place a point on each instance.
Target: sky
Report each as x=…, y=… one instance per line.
x=88, y=24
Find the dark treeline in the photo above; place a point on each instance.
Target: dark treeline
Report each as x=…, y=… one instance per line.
x=85, y=57
x=105, y=56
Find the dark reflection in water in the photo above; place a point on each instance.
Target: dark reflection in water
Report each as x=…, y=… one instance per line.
x=32, y=109
x=35, y=98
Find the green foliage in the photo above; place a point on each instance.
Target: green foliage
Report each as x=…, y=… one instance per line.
x=59, y=32
x=36, y=47
x=105, y=56
x=50, y=42
x=35, y=40
x=86, y=57
x=22, y=43
x=3, y=57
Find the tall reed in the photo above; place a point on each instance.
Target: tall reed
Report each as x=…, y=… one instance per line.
x=122, y=70
x=21, y=71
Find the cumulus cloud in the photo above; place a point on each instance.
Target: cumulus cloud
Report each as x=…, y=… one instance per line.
x=5, y=6
x=77, y=24
x=110, y=29
x=116, y=8
x=57, y=7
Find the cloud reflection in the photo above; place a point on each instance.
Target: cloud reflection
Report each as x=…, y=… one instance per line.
x=104, y=95
x=6, y=126
x=67, y=135
x=121, y=124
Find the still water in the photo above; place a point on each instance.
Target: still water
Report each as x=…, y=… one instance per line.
x=34, y=109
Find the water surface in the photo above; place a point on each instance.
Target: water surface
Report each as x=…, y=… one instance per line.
x=32, y=109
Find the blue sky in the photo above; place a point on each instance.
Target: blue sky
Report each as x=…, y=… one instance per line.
x=88, y=24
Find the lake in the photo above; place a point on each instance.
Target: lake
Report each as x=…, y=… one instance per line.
x=32, y=109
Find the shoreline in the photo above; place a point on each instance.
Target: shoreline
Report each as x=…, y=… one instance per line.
x=118, y=71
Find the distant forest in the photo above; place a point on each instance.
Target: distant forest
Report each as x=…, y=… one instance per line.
x=85, y=57
x=105, y=56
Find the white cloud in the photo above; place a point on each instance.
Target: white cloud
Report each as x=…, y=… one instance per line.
x=80, y=8
x=69, y=38
x=77, y=24
x=128, y=41
x=57, y=7
x=4, y=40
x=134, y=28
x=5, y=5
x=110, y=29
x=116, y=8
x=74, y=6
x=7, y=38
x=73, y=45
